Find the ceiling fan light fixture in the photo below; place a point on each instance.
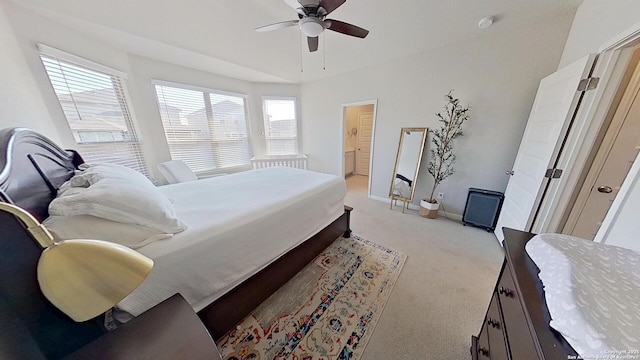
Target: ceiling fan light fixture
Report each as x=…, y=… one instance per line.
x=311, y=26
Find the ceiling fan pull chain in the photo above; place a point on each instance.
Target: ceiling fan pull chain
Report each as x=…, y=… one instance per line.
x=324, y=51
x=300, y=42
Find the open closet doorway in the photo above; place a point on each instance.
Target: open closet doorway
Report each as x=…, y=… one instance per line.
x=358, y=124
x=618, y=148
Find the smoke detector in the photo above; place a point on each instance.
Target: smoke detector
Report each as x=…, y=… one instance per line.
x=486, y=22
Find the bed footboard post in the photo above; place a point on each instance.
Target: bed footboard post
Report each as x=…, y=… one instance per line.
x=347, y=211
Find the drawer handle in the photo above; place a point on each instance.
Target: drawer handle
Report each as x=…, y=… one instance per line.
x=484, y=352
x=494, y=323
x=505, y=291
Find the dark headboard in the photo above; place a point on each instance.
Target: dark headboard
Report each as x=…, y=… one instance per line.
x=32, y=167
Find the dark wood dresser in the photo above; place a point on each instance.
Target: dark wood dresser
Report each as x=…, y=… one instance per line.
x=516, y=325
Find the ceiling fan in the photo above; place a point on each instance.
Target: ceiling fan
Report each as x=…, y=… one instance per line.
x=313, y=21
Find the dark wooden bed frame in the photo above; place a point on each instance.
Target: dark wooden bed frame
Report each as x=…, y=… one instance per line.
x=32, y=168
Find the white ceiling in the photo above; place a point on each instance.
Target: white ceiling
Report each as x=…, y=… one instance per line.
x=219, y=36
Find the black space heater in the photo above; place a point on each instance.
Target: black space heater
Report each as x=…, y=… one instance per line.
x=482, y=208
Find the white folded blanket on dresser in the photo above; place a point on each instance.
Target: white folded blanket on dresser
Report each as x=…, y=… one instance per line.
x=592, y=291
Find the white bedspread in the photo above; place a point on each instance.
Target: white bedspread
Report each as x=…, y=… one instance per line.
x=592, y=292
x=237, y=224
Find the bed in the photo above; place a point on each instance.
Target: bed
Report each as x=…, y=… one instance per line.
x=32, y=168
x=230, y=234
x=548, y=308
x=402, y=186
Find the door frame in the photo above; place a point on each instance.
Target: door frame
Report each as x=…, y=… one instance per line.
x=614, y=122
x=623, y=42
x=613, y=57
x=343, y=110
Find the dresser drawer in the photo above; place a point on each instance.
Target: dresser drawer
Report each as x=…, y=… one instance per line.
x=519, y=338
x=480, y=345
x=521, y=305
x=495, y=330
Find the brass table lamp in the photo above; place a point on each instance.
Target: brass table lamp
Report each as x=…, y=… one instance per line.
x=83, y=278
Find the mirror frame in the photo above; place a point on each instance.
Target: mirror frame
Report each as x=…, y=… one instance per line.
x=425, y=132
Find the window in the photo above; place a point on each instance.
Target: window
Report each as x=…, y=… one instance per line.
x=93, y=100
x=207, y=129
x=280, y=125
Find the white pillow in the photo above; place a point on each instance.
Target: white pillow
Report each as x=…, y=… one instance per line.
x=90, y=174
x=95, y=228
x=132, y=201
x=67, y=188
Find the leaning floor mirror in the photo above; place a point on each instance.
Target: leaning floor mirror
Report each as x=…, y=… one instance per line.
x=405, y=173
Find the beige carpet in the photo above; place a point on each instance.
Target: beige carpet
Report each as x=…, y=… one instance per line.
x=444, y=289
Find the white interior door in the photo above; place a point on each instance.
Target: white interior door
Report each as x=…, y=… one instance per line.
x=553, y=108
x=363, y=149
x=617, y=163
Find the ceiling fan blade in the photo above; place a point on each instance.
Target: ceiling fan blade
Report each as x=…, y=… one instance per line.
x=313, y=43
x=278, y=26
x=309, y=3
x=346, y=28
x=331, y=5
x=296, y=4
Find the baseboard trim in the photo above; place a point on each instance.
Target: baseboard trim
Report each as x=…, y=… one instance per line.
x=387, y=200
x=450, y=216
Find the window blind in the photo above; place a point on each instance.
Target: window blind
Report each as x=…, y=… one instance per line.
x=96, y=110
x=207, y=129
x=280, y=125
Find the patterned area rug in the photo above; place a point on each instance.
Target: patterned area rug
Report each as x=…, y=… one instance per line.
x=327, y=311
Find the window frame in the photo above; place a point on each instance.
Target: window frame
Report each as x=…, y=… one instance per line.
x=121, y=92
x=209, y=91
x=265, y=124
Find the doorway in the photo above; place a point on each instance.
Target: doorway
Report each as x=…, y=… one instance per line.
x=549, y=124
x=587, y=122
x=617, y=150
x=358, y=121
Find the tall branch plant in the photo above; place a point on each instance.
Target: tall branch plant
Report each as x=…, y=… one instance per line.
x=442, y=156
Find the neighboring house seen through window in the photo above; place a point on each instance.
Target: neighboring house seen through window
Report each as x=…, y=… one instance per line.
x=280, y=125
x=93, y=100
x=207, y=129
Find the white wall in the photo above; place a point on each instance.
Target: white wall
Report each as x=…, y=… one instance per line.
x=595, y=24
x=31, y=28
x=497, y=74
x=20, y=101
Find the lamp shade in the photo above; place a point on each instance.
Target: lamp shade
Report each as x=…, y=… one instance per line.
x=312, y=26
x=83, y=278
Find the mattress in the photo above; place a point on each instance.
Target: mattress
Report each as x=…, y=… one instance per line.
x=592, y=292
x=237, y=225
